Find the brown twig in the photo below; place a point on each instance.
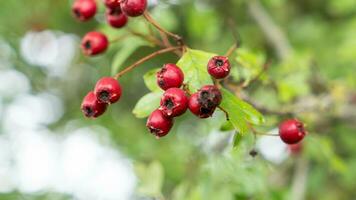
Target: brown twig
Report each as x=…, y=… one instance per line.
x=231, y=50
x=139, y=62
x=260, y=73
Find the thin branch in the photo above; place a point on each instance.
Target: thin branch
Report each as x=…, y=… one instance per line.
x=231, y=50
x=139, y=62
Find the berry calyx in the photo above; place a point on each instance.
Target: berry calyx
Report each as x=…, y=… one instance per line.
x=204, y=102
x=133, y=8
x=291, y=131
x=116, y=18
x=91, y=107
x=112, y=3
x=94, y=43
x=84, y=10
x=170, y=76
x=219, y=67
x=108, y=90
x=158, y=124
x=174, y=102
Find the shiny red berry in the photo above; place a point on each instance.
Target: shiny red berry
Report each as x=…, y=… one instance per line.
x=134, y=8
x=84, y=9
x=108, y=90
x=112, y=3
x=219, y=67
x=204, y=102
x=170, y=76
x=91, y=107
x=116, y=18
x=158, y=124
x=94, y=43
x=174, y=102
x=291, y=131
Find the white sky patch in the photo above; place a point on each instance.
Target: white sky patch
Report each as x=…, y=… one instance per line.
x=13, y=83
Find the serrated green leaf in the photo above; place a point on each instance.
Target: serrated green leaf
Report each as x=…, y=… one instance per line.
x=129, y=46
x=193, y=63
x=150, y=80
x=227, y=126
x=236, y=140
x=147, y=104
x=240, y=112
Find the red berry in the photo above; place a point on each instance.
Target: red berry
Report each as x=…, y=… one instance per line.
x=112, y=3
x=116, y=18
x=134, y=8
x=94, y=43
x=291, y=131
x=158, y=124
x=108, y=90
x=84, y=9
x=219, y=67
x=174, y=102
x=170, y=76
x=91, y=107
x=204, y=102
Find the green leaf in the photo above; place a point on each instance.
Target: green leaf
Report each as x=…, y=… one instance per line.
x=129, y=46
x=147, y=104
x=236, y=140
x=193, y=63
x=240, y=112
x=150, y=80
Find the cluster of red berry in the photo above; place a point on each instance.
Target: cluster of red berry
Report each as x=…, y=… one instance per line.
x=177, y=98
x=176, y=101
x=117, y=13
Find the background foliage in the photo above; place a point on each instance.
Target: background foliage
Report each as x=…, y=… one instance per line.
x=312, y=48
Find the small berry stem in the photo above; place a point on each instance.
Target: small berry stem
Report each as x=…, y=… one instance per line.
x=226, y=113
x=255, y=132
x=260, y=73
x=178, y=38
x=231, y=50
x=148, y=38
x=144, y=59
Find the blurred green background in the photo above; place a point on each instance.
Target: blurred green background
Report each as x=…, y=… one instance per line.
x=48, y=150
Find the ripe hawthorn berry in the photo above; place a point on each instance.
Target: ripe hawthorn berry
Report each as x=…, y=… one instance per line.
x=84, y=9
x=108, y=90
x=170, y=76
x=204, y=102
x=94, y=43
x=291, y=131
x=174, y=102
x=91, y=107
x=133, y=8
x=112, y=3
x=116, y=18
x=219, y=67
x=158, y=124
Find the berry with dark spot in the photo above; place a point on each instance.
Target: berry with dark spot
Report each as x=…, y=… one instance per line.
x=94, y=43
x=174, y=102
x=219, y=67
x=108, y=90
x=204, y=102
x=158, y=124
x=112, y=3
x=84, y=10
x=170, y=76
x=133, y=8
x=91, y=107
x=116, y=18
x=291, y=131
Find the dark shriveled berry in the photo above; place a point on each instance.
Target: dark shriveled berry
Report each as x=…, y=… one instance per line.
x=170, y=76
x=108, y=90
x=133, y=8
x=158, y=124
x=219, y=67
x=91, y=107
x=84, y=10
x=204, y=102
x=116, y=18
x=94, y=43
x=291, y=131
x=174, y=102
